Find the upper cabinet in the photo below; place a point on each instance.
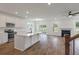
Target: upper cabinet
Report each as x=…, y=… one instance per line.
x=19, y=23
x=10, y=19
x=2, y=20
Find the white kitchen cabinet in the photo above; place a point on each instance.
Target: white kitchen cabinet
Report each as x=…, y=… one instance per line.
x=19, y=42
x=2, y=20
x=3, y=38
x=10, y=19
x=19, y=23
x=28, y=42
x=35, y=39
x=22, y=42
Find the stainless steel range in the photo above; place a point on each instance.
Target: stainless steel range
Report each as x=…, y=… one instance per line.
x=9, y=29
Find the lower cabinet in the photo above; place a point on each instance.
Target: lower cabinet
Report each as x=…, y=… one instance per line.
x=35, y=39
x=3, y=38
x=19, y=42
x=28, y=42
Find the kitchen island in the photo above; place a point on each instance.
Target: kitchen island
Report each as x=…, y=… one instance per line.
x=24, y=41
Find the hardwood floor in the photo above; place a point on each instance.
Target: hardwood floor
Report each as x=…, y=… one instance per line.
x=52, y=46
x=8, y=49
x=48, y=45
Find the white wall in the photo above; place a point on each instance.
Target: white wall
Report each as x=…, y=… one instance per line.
x=63, y=23
x=49, y=25
x=66, y=22
x=21, y=24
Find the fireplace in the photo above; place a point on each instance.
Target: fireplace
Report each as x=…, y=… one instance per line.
x=64, y=32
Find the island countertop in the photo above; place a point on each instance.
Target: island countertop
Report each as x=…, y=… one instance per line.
x=27, y=34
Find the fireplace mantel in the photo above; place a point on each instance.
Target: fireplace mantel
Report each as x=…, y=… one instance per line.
x=66, y=28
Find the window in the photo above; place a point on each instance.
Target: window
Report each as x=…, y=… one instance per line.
x=43, y=28
x=77, y=26
x=55, y=28
x=29, y=27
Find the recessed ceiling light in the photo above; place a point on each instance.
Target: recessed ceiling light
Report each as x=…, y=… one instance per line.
x=27, y=12
x=38, y=19
x=16, y=12
x=49, y=3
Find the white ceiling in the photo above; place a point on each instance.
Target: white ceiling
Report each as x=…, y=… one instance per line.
x=40, y=10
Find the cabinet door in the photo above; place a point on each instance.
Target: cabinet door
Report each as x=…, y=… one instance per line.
x=19, y=42
x=1, y=40
x=19, y=23
x=35, y=39
x=11, y=19
x=28, y=42
x=5, y=38
x=2, y=21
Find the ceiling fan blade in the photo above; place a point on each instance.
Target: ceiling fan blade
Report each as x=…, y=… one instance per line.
x=76, y=13
x=73, y=13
